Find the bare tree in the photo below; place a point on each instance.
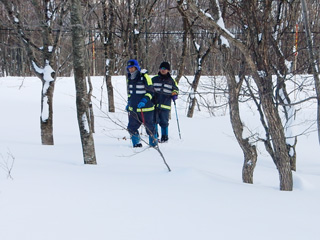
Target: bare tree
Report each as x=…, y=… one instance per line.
x=256, y=54
x=41, y=51
x=109, y=48
x=313, y=63
x=201, y=56
x=82, y=97
x=186, y=28
x=249, y=150
x=234, y=88
x=149, y=30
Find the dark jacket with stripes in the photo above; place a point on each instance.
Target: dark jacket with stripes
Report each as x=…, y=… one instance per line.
x=164, y=86
x=140, y=87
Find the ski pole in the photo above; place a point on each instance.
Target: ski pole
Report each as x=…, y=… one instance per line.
x=142, y=116
x=175, y=106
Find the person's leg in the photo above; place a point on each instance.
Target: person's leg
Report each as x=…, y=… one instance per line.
x=164, y=123
x=156, y=122
x=133, y=126
x=150, y=126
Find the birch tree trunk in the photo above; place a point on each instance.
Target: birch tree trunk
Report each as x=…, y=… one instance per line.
x=82, y=101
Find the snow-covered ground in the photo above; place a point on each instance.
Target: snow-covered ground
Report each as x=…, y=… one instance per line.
x=129, y=194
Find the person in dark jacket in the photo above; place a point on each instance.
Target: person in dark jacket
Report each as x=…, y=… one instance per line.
x=140, y=107
x=166, y=89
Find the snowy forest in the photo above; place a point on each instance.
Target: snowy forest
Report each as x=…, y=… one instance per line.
x=150, y=31
x=259, y=46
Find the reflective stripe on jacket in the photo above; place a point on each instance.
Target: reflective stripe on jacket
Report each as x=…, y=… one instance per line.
x=140, y=87
x=165, y=87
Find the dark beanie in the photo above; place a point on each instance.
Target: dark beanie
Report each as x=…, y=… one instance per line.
x=165, y=65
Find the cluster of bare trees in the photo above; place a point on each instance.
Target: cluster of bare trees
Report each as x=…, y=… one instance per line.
x=256, y=45
x=150, y=31
x=264, y=56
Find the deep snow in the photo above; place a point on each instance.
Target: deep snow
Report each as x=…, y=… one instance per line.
x=129, y=194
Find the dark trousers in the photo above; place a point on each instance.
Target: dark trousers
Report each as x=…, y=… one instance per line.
x=162, y=117
x=135, y=121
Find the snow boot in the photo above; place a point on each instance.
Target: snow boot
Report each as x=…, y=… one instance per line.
x=156, y=135
x=137, y=145
x=164, y=134
x=153, y=141
x=136, y=141
x=164, y=138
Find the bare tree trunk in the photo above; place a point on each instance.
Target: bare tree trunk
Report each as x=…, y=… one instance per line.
x=109, y=50
x=200, y=60
x=249, y=150
x=41, y=52
x=192, y=95
x=135, y=30
x=128, y=42
x=281, y=157
x=312, y=60
x=234, y=87
x=91, y=113
x=184, y=43
x=46, y=118
x=82, y=101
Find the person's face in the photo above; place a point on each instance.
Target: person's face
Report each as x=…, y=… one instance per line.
x=132, y=69
x=163, y=71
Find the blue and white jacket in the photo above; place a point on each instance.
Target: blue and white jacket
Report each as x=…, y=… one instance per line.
x=165, y=86
x=140, y=87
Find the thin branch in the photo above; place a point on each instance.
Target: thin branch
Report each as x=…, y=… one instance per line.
x=7, y=164
x=122, y=126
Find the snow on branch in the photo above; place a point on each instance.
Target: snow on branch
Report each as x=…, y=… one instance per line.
x=220, y=23
x=46, y=71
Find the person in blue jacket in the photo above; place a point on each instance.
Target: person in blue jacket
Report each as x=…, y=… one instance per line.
x=166, y=88
x=140, y=107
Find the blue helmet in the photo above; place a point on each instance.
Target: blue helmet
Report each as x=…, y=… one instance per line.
x=133, y=63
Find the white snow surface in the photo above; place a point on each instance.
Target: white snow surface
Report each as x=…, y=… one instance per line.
x=129, y=194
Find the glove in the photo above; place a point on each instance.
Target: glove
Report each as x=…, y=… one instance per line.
x=144, y=71
x=127, y=107
x=174, y=97
x=142, y=103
